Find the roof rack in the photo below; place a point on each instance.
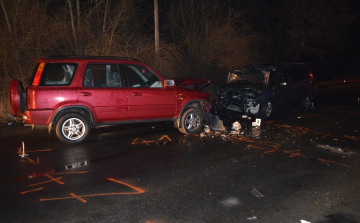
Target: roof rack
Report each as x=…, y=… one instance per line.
x=93, y=57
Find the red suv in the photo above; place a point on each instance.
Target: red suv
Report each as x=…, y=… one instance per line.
x=74, y=94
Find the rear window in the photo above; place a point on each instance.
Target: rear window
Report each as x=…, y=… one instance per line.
x=57, y=74
x=300, y=73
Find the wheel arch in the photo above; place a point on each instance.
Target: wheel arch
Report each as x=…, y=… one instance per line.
x=72, y=109
x=200, y=104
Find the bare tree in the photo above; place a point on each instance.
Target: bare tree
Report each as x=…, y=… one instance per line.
x=6, y=17
x=295, y=30
x=74, y=30
x=212, y=34
x=313, y=26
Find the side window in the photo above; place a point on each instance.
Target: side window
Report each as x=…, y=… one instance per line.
x=57, y=74
x=299, y=73
x=102, y=75
x=140, y=76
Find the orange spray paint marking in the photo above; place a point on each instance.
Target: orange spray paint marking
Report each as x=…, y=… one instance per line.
x=255, y=147
x=283, y=126
x=269, y=122
x=275, y=146
x=29, y=191
x=133, y=143
x=271, y=151
x=71, y=172
x=30, y=160
x=78, y=198
x=294, y=153
x=44, y=182
x=333, y=162
x=34, y=151
x=144, y=141
x=241, y=139
x=89, y=195
x=56, y=180
x=165, y=136
x=138, y=191
x=324, y=135
x=355, y=138
x=120, y=182
x=147, y=142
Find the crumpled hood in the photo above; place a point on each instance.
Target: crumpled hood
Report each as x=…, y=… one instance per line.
x=192, y=83
x=243, y=87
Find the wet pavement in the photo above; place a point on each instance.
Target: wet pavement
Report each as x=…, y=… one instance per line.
x=298, y=166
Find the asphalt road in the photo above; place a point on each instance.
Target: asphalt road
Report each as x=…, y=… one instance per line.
x=299, y=166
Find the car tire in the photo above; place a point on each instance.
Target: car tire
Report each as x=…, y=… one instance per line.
x=73, y=128
x=306, y=103
x=191, y=121
x=266, y=109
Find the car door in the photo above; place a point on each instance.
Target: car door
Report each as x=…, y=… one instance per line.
x=147, y=97
x=103, y=91
x=300, y=76
x=283, y=91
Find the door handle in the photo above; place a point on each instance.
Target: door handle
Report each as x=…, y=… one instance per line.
x=136, y=94
x=85, y=93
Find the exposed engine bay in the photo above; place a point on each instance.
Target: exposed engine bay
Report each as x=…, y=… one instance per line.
x=243, y=100
x=244, y=90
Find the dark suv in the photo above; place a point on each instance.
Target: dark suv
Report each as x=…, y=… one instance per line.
x=74, y=94
x=259, y=90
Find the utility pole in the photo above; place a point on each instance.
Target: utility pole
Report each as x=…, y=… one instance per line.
x=156, y=20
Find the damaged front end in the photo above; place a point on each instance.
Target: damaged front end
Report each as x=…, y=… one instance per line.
x=244, y=100
x=245, y=90
x=192, y=83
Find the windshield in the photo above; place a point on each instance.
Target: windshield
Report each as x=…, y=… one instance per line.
x=253, y=75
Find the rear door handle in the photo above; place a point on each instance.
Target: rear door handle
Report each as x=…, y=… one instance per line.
x=85, y=93
x=136, y=94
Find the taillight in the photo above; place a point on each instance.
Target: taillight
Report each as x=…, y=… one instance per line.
x=37, y=77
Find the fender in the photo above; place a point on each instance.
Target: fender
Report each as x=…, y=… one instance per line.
x=74, y=108
x=204, y=104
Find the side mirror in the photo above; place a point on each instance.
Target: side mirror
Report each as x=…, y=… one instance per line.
x=169, y=83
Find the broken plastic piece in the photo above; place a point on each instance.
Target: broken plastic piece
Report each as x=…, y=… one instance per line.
x=256, y=193
x=206, y=129
x=236, y=126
